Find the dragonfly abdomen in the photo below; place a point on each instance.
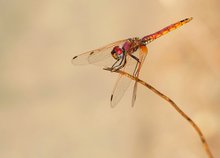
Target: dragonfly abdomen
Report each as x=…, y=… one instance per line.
x=149, y=38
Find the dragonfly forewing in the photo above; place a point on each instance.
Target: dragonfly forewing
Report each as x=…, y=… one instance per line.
x=100, y=57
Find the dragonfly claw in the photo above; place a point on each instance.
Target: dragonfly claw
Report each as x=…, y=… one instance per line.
x=110, y=69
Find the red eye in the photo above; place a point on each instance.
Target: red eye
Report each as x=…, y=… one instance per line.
x=117, y=50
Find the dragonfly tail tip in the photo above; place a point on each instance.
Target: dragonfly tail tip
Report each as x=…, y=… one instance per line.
x=188, y=19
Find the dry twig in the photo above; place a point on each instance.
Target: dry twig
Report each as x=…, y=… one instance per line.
x=199, y=132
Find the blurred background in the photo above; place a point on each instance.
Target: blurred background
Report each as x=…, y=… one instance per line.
x=52, y=109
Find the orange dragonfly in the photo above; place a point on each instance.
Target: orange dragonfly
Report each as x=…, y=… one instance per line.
x=127, y=55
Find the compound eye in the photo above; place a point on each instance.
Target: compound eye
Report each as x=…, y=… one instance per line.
x=117, y=52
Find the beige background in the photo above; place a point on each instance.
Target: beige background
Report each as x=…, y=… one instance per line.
x=52, y=109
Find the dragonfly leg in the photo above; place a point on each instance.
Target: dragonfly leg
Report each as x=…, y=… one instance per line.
x=138, y=62
x=135, y=70
x=122, y=63
x=114, y=66
x=135, y=58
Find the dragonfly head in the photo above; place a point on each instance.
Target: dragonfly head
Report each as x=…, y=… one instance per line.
x=117, y=52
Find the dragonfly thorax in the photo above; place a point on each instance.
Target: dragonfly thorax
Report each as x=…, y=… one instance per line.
x=132, y=44
x=117, y=52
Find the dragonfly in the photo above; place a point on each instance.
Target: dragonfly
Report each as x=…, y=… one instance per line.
x=127, y=55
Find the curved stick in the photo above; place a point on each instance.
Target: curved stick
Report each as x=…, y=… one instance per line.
x=199, y=132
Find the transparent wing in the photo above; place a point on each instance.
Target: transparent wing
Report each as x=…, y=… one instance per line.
x=142, y=54
x=100, y=57
x=123, y=82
